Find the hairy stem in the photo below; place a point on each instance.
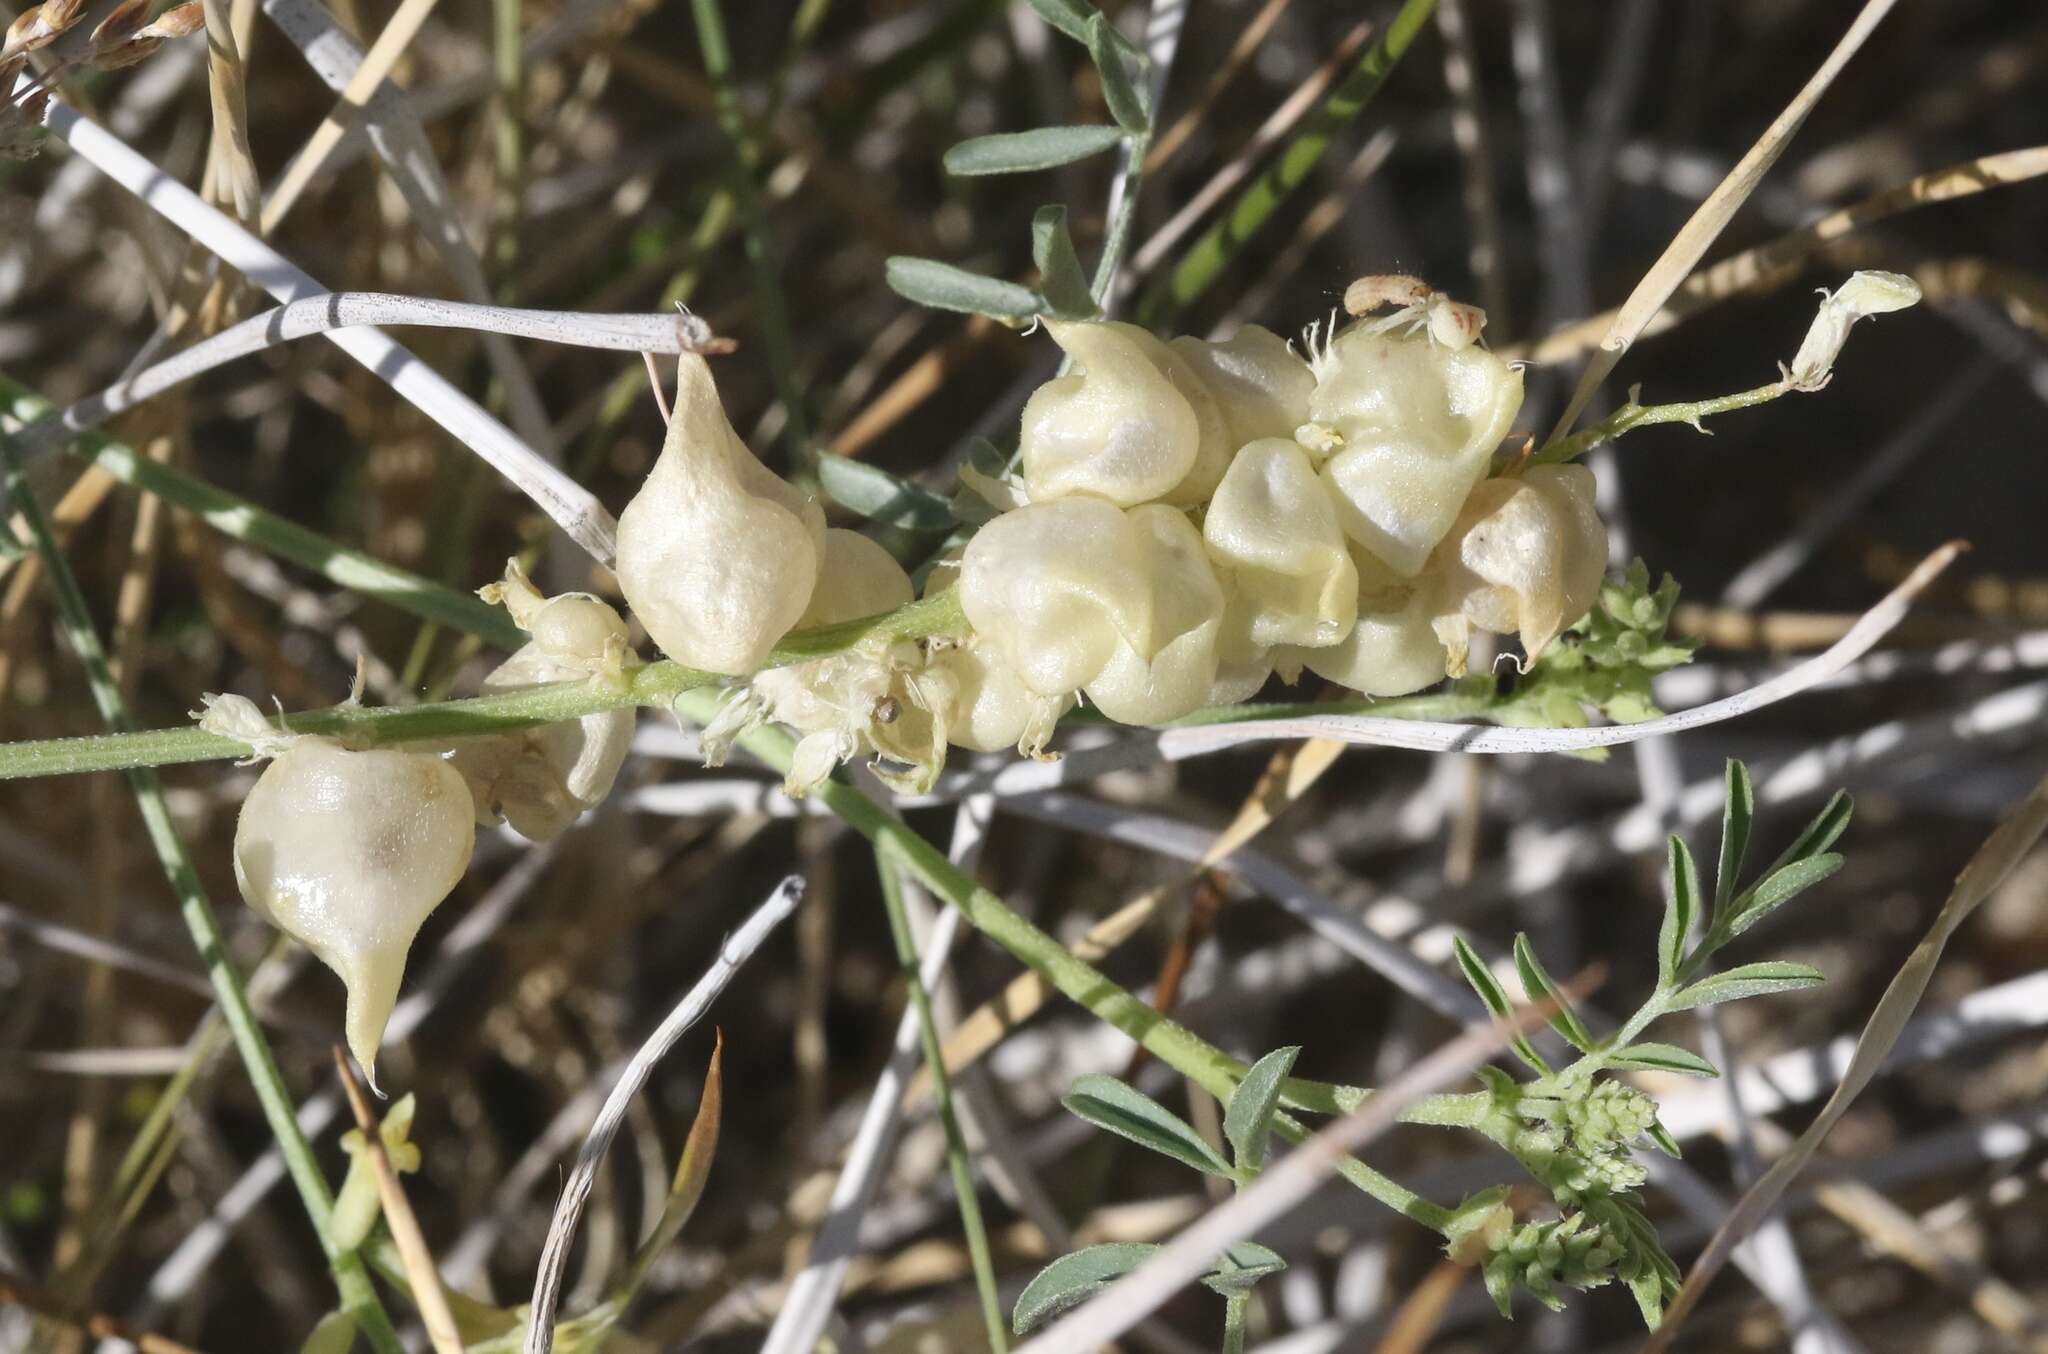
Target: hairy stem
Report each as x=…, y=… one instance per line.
x=1634, y=415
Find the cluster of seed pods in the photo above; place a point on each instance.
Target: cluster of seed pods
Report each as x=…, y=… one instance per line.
x=1187, y=518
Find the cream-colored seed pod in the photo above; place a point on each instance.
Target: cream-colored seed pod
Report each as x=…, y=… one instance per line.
x=717, y=556
x=1054, y=587
x=1214, y=444
x=989, y=707
x=541, y=780
x=1116, y=426
x=1187, y=616
x=1273, y=535
x=1526, y=556
x=1261, y=385
x=1415, y=425
x=1393, y=649
x=348, y=853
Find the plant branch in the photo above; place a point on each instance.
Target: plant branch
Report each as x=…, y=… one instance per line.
x=1633, y=415
x=352, y=1281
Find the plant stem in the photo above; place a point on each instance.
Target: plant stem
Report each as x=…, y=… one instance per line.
x=655, y=684
x=1633, y=415
x=352, y=1281
x=942, y=1099
x=1172, y=1043
x=1235, y=1308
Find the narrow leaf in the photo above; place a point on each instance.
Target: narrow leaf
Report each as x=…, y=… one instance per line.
x=1665, y=1143
x=1068, y=16
x=1483, y=982
x=1022, y=152
x=1738, y=812
x=944, y=287
x=1537, y=983
x=881, y=497
x=1780, y=888
x=1126, y=104
x=1647, y=1287
x=692, y=1170
x=1073, y=1279
x=1249, y=1116
x=1664, y=1058
x=1750, y=980
x=1129, y=1113
x=1820, y=834
x=1239, y=1269
x=334, y=1334
x=1060, y=278
x=1681, y=905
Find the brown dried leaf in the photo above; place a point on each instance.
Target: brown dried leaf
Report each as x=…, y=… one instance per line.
x=27, y=33
x=177, y=22
x=117, y=28
x=129, y=53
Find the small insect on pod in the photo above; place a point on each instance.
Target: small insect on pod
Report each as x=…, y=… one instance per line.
x=1526, y=556
x=717, y=556
x=348, y=853
x=1273, y=535
x=541, y=780
x=1409, y=424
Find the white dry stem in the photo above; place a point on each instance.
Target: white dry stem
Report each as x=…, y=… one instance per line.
x=547, y=1282
x=571, y=506
x=651, y=333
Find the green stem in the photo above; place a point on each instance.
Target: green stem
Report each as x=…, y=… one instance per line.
x=1235, y=1308
x=352, y=1281
x=775, y=332
x=1633, y=415
x=1206, y=259
x=656, y=684
x=942, y=1100
x=1171, y=1042
x=244, y=521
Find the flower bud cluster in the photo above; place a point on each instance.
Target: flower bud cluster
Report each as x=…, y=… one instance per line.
x=1583, y=1147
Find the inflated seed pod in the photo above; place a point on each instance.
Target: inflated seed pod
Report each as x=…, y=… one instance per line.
x=989, y=708
x=1393, y=649
x=1526, y=556
x=1214, y=444
x=717, y=556
x=1054, y=587
x=1410, y=426
x=1273, y=536
x=1187, y=616
x=348, y=852
x=1116, y=426
x=1261, y=385
x=540, y=780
